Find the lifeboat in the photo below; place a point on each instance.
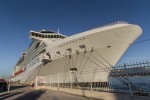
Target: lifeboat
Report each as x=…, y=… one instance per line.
x=20, y=71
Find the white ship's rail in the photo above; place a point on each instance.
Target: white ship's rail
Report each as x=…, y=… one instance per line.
x=118, y=22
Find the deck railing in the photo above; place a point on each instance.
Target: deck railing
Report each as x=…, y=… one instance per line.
x=118, y=22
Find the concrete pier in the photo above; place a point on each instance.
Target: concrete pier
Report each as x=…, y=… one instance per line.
x=28, y=93
x=96, y=94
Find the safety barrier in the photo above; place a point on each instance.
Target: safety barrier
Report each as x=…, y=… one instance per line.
x=133, y=79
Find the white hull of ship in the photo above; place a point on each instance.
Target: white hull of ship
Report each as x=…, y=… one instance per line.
x=103, y=50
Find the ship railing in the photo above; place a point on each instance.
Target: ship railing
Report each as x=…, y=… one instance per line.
x=114, y=23
x=137, y=80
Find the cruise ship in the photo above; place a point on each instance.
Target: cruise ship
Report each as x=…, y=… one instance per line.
x=97, y=49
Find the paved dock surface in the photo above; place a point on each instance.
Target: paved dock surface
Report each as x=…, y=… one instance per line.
x=28, y=93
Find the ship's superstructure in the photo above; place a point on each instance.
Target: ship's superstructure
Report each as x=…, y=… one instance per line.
x=96, y=49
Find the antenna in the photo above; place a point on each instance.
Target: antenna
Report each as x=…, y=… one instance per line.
x=58, y=30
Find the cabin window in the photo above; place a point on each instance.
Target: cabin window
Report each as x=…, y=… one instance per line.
x=54, y=36
x=40, y=35
x=36, y=34
x=33, y=34
x=45, y=36
x=48, y=36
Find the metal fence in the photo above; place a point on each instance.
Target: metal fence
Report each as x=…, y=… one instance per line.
x=131, y=79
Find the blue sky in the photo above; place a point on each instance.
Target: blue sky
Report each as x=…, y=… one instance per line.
x=18, y=17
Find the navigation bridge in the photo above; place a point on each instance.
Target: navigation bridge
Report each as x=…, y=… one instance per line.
x=46, y=34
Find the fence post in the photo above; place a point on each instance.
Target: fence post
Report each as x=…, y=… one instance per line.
x=129, y=85
x=50, y=80
x=58, y=82
x=70, y=80
x=36, y=81
x=91, y=81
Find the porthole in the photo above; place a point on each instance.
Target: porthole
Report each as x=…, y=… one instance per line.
x=108, y=46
